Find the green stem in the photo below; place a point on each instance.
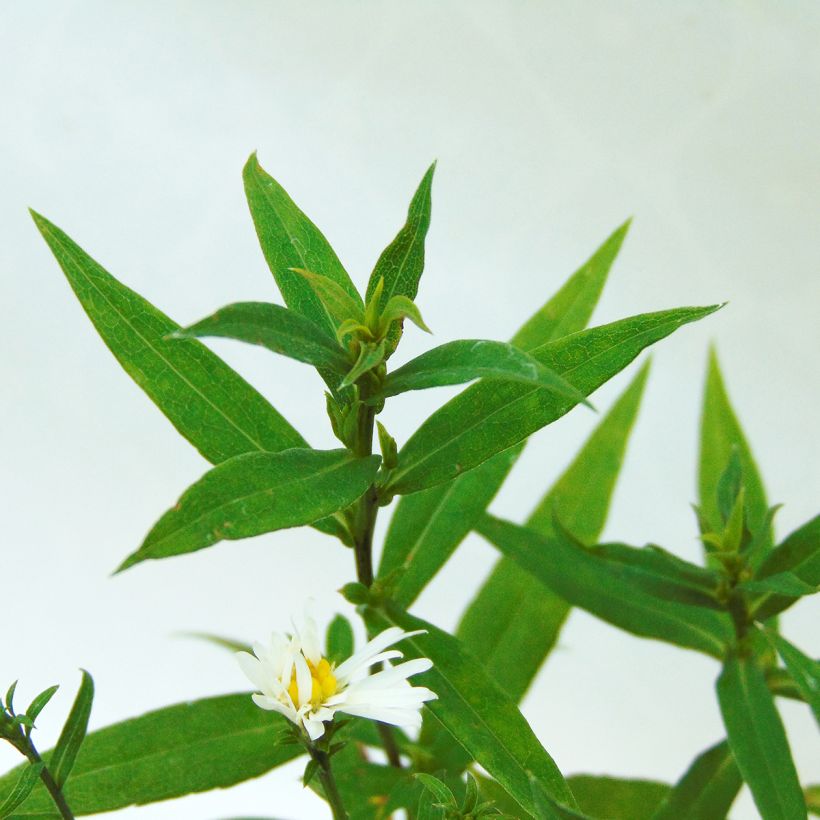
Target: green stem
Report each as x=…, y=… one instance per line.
x=332, y=795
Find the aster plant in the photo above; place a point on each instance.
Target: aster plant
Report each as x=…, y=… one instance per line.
x=451, y=743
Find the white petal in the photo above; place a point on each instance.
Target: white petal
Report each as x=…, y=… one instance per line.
x=253, y=669
x=394, y=673
x=410, y=718
x=272, y=705
x=309, y=637
x=362, y=658
x=304, y=681
x=314, y=728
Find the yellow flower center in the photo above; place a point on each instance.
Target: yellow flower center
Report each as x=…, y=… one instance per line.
x=323, y=683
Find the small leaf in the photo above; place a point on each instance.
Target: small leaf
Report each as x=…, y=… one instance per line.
x=370, y=356
x=758, y=740
x=310, y=772
x=274, y=327
x=400, y=308
x=39, y=703
x=468, y=359
x=339, y=640
x=257, y=493
x=178, y=750
x=290, y=240
x=729, y=485
x=443, y=795
x=470, y=796
x=798, y=554
x=733, y=534
x=428, y=808
x=23, y=788
x=10, y=696
x=71, y=738
x=721, y=440
x=208, y=403
x=492, y=416
x=474, y=710
x=782, y=583
x=387, y=446
x=338, y=303
x=606, y=589
x=804, y=670
x=707, y=789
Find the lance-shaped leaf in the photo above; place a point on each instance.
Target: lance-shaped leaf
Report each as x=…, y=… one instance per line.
x=758, y=740
x=277, y=328
x=570, y=309
x=290, y=240
x=40, y=702
x=428, y=526
x=798, y=554
x=476, y=712
x=804, y=670
x=339, y=640
x=721, y=437
x=211, y=405
x=22, y=789
x=617, y=798
x=707, y=789
x=257, y=493
x=493, y=415
x=72, y=736
x=339, y=304
x=190, y=747
x=602, y=587
x=370, y=356
x=468, y=359
x=498, y=621
x=402, y=262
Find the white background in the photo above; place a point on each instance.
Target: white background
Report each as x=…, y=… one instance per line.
x=128, y=123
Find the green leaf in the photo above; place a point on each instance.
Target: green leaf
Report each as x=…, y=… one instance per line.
x=758, y=740
x=606, y=589
x=428, y=808
x=339, y=304
x=22, y=789
x=798, y=554
x=468, y=359
x=231, y=644
x=339, y=640
x=427, y=527
x=497, y=625
x=209, y=404
x=492, y=415
x=71, y=738
x=181, y=749
x=402, y=262
x=548, y=809
x=783, y=583
x=721, y=439
x=370, y=356
x=278, y=329
x=10, y=696
x=729, y=486
x=707, y=789
x=616, y=798
x=570, y=309
x=440, y=790
x=290, y=240
x=804, y=670
x=475, y=711
x=39, y=703
x=812, y=795
x=257, y=493
x=400, y=308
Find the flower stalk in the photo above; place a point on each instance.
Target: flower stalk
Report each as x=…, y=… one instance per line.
x=325, y=774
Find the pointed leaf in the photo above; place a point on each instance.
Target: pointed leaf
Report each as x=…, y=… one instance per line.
x=491, y=416
x=181, y=749
x=783, y=583
x=428, y=526
x=799, y=554
x=468, y=359
x=722, y=437
x=616, y=798
x=337, y=302
x=707, y=789
x=257, y=493
x=441, y=790
x=400, y=308
x=278, y=329
x=570, y=309
x=339, y=639
x=209, y=404
x=606, y=590
x=290, y=240
x=548, y=809
x=804, y=670
x=22, y=789
x=71, y=738
x=10, y=696
x=231, y=644
x=39, y=703
x=475, y=711
x=758, y=740
x=370, y=356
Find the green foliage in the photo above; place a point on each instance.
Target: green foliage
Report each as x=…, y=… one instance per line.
x=805, y=671
x=491, y=416
x=758, y=740
x=476, y=712
x=210, y=405
x=178, y=750
x=71, y=738
x=615, y=798
x=339, y=639
x=707, y=789
x=610, y=589
x=22, y=789
x=256, y=493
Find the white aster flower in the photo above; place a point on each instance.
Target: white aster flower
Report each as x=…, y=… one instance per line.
x=294, y=679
